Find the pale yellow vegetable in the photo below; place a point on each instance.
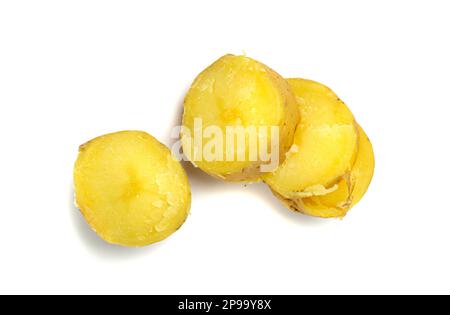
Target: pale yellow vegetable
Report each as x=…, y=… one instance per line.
x=130, y=189
x=237, y=91
x=323, y=175
x=351, y=189
x=363, y=170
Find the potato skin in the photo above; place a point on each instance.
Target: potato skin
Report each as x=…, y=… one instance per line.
x=239, y=91
x=351, y=190
x=308, y=182
x=130, y=190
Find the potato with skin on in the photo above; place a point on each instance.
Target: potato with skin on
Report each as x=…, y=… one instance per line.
x=316, y=177
x=237, y=91
x=130, y=189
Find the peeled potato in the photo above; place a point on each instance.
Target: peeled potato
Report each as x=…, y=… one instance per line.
x=351, y=189
x=321, y=170
x=363, y=170
x=237, y=91
x=130, y=189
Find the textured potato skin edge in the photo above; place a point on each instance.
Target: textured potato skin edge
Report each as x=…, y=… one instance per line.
x=297, y=205
x=85, y=215
x=252, y=173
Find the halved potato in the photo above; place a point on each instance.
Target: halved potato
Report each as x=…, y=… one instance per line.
x=315, y=178
x=238, y=92
x=130, y=189
x=351, y=188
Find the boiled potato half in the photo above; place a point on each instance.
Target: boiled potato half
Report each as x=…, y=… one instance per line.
x=130, y=189
x=330, y=165
x=238, y=93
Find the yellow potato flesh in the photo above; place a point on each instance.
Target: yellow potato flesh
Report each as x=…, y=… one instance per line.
x=130, y=189
x=237, y=91
x=323, y=154
x=351, y=189
x=363, y=170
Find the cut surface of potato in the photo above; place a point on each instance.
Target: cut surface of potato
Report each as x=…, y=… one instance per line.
x=351, y=188
x=323, y=154
x=130, y=189
x=238, y=92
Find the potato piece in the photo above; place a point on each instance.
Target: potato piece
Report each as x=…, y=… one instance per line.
x=130, y=189
x=363, y=170
x=322, y=156
x=237, y=91
x=351, y=188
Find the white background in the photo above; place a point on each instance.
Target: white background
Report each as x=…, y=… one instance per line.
x=74, y=70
